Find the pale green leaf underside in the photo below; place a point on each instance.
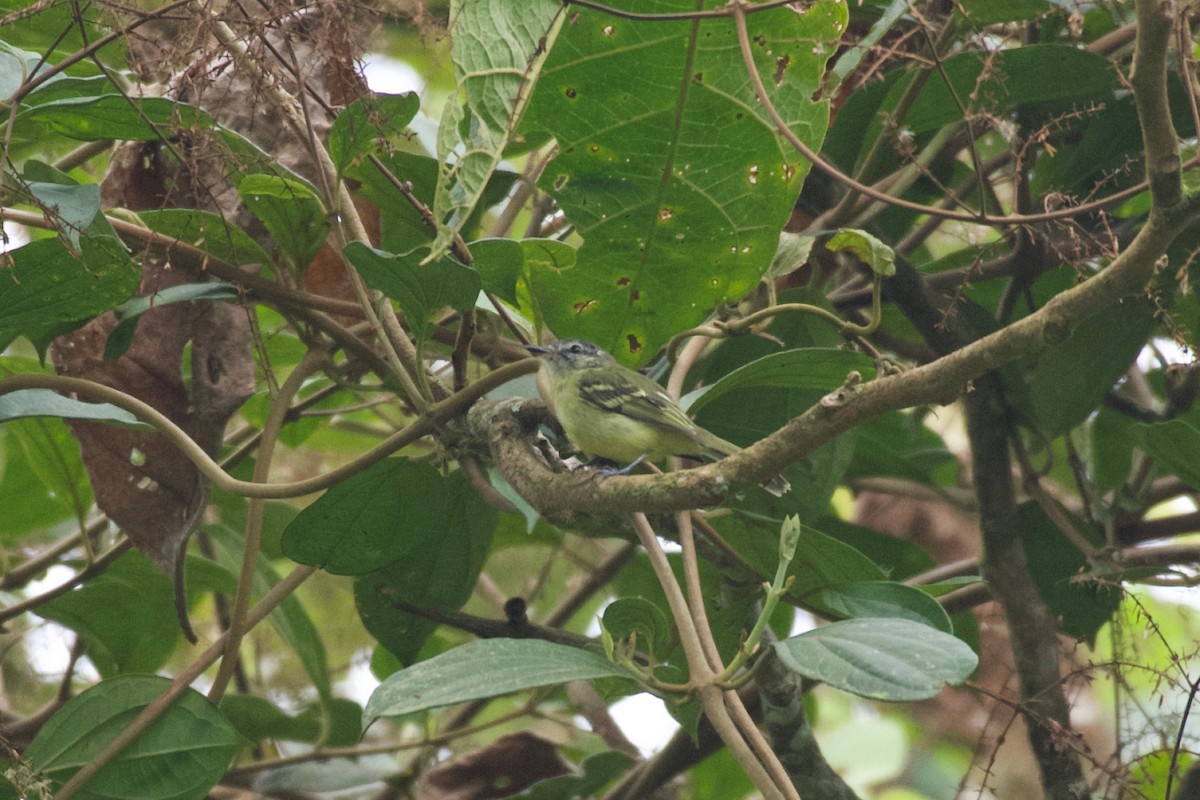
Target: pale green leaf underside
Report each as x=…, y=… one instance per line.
x=485, y=668
x=884, y=659
x=498, y=49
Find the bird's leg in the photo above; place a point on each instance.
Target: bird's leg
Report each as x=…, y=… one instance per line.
x=607, y=467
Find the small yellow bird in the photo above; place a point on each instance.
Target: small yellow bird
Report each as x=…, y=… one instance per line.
x=614, y=413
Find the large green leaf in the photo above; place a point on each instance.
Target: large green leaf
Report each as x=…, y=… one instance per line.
x=258, y=719
x=485, y=668
x=289, y=619
x=420, y=289
x=52, y=454
x=208, y=231
x=403, y=227
x=884, y=659
x=1083, y=606
x=821, y=562
x=360, y=127
x=114, y=116
x=867, y=599
x=179, y=757
x=126, y=616
x=673, y=222
x=72, y=207
x=48, y=403
x=370, y=519
x=291, y=211
x=779, y=387
x=814, y=369
x=1072, y=377
x=48, y=288
x=439, y=572
x=1007, y=78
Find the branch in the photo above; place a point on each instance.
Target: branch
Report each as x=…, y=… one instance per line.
x=428, y=423
x=561, y=495
x=1149, y=81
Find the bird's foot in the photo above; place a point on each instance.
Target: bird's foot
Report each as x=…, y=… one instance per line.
x=609, y=468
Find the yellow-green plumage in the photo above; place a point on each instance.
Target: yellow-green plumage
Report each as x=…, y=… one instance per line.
x=612, y=412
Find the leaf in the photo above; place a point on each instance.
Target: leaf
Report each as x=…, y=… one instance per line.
x=73, y=208
x=672, y=226
x=180, y=756
x=867, y=249
x=1111, y=453
x=1070, y=378
x=899, y=444
x=498, y=49
x=439, y=572
x=370, y=519
x=257, y=719
x=48, y=403
x=209, y=232
x=1173, y=444
x=52, y=455
x=114, y=116
x=403, y=227
x=627, y=617
x=508, y=268
x=30, y=506
x=291, y=212
x=1082, y=603
x=47, y=287
x=125, y=615
x=897, y=660
x=370, y=119
x=420, y=289
x=481, y=669
x=792, y=254
x=848, y=61
x=131, y=310
x=814, y=369
x=867, y=599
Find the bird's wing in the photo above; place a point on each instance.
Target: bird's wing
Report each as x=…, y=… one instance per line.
x=644, y=402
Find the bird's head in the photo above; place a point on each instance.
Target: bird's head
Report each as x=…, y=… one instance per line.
x=571, y=354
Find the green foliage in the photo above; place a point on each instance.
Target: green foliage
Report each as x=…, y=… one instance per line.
x=892, y=659
x=620, y=179
x=485, y=669
x=672, y=227
x=420, y=289
x=182, y=755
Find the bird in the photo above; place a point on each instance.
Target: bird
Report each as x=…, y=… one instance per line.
x=614, y=413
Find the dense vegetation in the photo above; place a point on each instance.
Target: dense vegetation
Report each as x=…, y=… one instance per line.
x=282, y=512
